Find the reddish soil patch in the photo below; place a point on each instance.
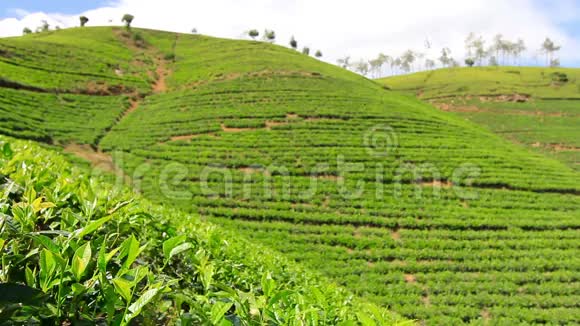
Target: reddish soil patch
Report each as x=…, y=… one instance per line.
x=437, y=183
x=249, y=170
x=426, y=301
x=328, y=177
x=228, y=129
x=409, y=278
x=564, y=148
x=98, y=159
x=132, y=108
x=520, y=98
x=326, y=202
x=160, y=86
x=270, y=124
x=556, y=147
x=486, y=315
x=395, y=235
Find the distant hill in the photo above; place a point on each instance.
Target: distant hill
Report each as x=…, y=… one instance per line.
x=536, y=107
x=406, y=206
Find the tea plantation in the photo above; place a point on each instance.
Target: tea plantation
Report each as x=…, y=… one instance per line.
x=408, y=207
x=538, y=108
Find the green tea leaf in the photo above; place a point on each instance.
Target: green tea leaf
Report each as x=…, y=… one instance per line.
x=91, y=227
x=48, y=266
x=47, y=243
x=137, y=306
x=365, y=320
x=218, y=310
x=81, y=260
x=179, y=249
x=30, y=276
x=171, y=243
x=131, y=249
x=7, y=151
x=123, y=287
x=268, y=284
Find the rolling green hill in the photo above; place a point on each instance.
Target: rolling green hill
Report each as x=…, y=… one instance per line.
x=408, y=207
x=536, y=107
x=94, y=252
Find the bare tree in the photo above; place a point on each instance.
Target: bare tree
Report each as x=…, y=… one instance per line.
x=475, y=46
x=375, y=66
x=407, y=60
x=396, y=64
x=517, y=50
x=44, y=27
x=362, y=67
x=549, y=48
x=344, y=62
x=385, y=59
x=445, y=58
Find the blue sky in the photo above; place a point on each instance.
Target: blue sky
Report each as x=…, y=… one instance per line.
x=10, y=8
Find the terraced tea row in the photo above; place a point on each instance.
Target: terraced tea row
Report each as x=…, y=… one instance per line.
x=409, y=207
x=91, y=60
x=536, y=107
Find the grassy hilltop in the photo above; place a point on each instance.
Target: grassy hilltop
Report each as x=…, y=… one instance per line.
x=536, y=107
x=406, y=206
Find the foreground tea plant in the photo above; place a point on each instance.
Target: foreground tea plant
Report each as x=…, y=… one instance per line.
x=77, y=250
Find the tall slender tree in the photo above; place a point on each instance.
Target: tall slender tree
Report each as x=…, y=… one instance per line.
x=549, y=48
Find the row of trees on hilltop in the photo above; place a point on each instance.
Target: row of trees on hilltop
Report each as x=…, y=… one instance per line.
x=270, y=36
x=45, y=27
x=500, y=52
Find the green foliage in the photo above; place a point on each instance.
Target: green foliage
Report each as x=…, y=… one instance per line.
x=269, y=35
x=79, y=250
x=84, y=20
x=469, y=62
x=534, y=107
x=26, y=31
x=242, y=106
x=293, y=43
x=253, y=33
x=127, y=19
x=560, y=78
x=86, y=60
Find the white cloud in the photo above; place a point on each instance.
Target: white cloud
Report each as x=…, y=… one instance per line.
x=360, y=28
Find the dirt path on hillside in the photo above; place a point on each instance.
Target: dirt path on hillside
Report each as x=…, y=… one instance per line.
x=160, y=74
x=98, y=159
x=104, y=161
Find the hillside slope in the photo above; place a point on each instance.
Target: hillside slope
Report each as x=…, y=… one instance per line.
x=536, y=107
x=407, y=206
x=194, y=272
